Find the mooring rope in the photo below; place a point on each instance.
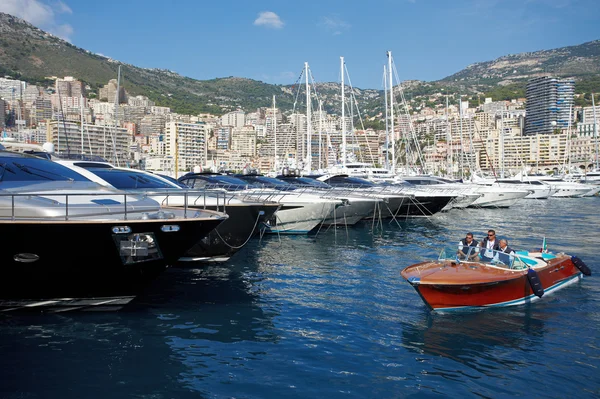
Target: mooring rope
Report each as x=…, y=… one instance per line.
x=247, y=239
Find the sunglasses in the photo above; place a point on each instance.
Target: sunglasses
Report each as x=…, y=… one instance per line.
x=491, y=235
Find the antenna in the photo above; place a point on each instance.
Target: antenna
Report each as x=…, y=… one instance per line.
x=595, y=130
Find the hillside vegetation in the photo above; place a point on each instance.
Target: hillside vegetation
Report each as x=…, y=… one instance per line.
x=32, y=55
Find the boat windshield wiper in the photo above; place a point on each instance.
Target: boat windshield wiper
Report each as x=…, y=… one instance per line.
x=5, y=168
x=32, y=170
x=140, y=180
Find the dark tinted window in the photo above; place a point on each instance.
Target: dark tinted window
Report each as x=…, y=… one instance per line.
x=349, y=182
x=265, y=181
x=17, y=167
x=173, y=180
x=215, y=181
x=125, y=179
x=304, y=181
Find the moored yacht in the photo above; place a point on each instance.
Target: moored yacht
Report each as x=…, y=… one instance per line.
x=563, y=188
x=464, y=195
x=245, y=216
x=299, y=213
x=537, y=189
x=71, y=244
x=356, y=207
x=416, y=203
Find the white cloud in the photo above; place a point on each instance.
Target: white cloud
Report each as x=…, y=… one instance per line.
x=335, y=24
x=269, y=19
x=41, y=14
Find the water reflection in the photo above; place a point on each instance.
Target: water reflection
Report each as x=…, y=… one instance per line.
x=326, y=315
x=85, y=356
x=478, y=339
x=219, y=302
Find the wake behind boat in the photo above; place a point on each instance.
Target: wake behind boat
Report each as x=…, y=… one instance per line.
x=491, y=279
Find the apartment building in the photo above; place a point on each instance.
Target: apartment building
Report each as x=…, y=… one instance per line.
x=107, y=142
x=223, y=137
x=234, y=119
x=187, y=143
x=152, y=125
x=11, y=89
x=549, y=105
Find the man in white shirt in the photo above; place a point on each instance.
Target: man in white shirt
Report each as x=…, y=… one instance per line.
x=488, y=245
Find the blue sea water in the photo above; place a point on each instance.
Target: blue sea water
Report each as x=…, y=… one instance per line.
x=328, y=316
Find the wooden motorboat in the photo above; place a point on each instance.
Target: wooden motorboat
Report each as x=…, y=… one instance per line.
x=449, y=283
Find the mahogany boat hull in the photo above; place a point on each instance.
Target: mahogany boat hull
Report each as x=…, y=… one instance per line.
x=450, y=285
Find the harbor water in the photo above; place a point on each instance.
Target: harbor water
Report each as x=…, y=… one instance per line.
x=328, y=316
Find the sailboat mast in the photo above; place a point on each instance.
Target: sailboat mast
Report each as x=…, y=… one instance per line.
x=275, y=132
x=595, y=130
x=568, y=146
x=81, y=112
x=501, y=144
x=308, y=123
x=449, y=171
x=343, y=114
x=176, y=148
x=320, y=130
x=462, y=146
x=391, y=83
x=387, y=126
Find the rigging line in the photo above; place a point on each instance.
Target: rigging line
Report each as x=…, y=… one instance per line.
x=484, y=145
x=314, y=83
x=298, y=91
x=287, y=143
x=395, y=213
x=324, y=217
x=247, y=239
x=354, y=101
x=413, y=134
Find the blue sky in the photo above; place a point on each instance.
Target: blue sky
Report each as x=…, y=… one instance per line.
x=271, y=40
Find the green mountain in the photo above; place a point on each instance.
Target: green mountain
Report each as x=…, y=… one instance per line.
x=32, y=55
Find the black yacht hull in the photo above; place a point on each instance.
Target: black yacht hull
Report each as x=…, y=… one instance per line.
x=83, y=263
x=423, y=206
x=244, y=222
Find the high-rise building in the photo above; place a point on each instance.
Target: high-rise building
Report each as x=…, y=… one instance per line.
x=549, y=103
x=109, y=92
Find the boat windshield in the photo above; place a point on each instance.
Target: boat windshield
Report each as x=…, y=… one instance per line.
x=459, y=253
x=131, y=179
x=304, y=181
x=266, y=181
x=351, y=182
x=28, y=169
x=226, y=182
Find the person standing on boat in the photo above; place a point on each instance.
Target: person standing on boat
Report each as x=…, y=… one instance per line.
x=466, y=247
x=488, y=245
